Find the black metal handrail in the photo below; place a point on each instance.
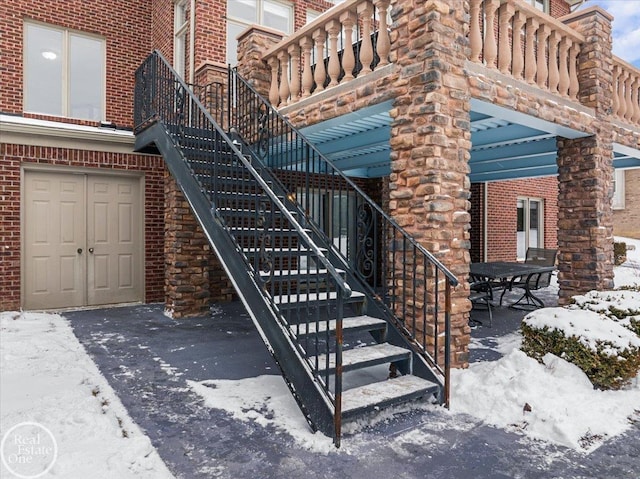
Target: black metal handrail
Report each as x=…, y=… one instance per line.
x=266, y=234
x=398, y=272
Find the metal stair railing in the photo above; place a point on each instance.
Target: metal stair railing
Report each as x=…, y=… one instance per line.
x=396, y=271
x=236, y=206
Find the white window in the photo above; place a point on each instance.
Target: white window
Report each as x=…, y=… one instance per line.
x=311, y=16
x=618, y=190
x=542, y=5
x=243, y=13
x=530, y=232
x=64, y=73
x=180, y=26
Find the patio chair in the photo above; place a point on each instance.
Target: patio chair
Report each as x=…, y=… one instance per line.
x=534, y=281
x=481, y=293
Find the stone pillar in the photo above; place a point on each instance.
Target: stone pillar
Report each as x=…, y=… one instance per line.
x=253, y=43
x=187, y=255
x=430, y=143
x=585, y=169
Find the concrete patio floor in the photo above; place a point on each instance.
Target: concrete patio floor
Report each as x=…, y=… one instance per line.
x=147, y=358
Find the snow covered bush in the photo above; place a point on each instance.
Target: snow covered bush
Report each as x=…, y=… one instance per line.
x=622, y=306
x=607, y=352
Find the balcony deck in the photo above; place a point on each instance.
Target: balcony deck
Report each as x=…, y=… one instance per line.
x=521, y=100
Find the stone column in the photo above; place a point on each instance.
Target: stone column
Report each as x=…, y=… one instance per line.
x=585, y=169
x=431, y=141
x=187, y=255
x=253, y=43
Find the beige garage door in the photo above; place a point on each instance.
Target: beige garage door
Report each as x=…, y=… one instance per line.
x=83, y=240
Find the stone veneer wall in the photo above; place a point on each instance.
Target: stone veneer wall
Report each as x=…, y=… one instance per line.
x=430, y=141
x=193, y=274
x=585, y=170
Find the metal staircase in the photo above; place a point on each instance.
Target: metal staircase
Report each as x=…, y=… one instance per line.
x=330, y=315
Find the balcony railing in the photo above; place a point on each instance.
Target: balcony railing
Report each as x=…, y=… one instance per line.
x=523, y=42
x=334, y=49
x=509, y=36
x=626, y=91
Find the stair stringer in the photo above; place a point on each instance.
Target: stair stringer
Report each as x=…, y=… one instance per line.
x=309, y=395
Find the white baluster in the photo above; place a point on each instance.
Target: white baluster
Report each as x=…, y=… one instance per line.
x=475, y=32
x=333, y=28
x=294, y=53
x=284, y=77
x=530, y=54
x=274, y=96
x=504, y=52
x=307, y=77
x=574, y=84
x=320, y=74
x=563, y=57
x=554, y=76
x=348, y=19
x=383, y=44
x=542, y=71
x=490, y=45
x=365, y=10
x=518, y=58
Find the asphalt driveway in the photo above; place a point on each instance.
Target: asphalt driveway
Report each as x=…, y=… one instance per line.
x=147, y=358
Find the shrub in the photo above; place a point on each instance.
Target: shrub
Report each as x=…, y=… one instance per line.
x=608, y=353
x=619, y=252
x=622, y=306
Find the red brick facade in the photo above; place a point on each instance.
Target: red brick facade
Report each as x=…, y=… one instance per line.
x=626, y=222
x=502, y=197
x=122, y=23
x=14, y=157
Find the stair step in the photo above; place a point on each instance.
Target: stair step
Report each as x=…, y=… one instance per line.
x=311, y=273
x=385, y=393
x=244, y=231
x=288, y=251
x=292, y=300
x=364, y=357
x=247, y=212
x=352, y=324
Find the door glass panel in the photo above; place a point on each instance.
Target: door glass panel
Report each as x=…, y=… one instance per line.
x=534, y=223
x=521, y=231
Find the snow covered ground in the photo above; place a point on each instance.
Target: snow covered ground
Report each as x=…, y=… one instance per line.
x=47, y=378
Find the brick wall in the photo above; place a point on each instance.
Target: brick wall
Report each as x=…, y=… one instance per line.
x=502, y=214
x=477, y=223
x=123, y=23
x=558, y=8
x=626, y=222
x=12, y=157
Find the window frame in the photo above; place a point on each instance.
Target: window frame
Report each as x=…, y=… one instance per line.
x=546, y=8
x=527, y=223
x=66, y=70
x=180, y=37
x=259, y=20
x=618, y=198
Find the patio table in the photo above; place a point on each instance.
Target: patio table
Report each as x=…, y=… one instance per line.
x=504, y=272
